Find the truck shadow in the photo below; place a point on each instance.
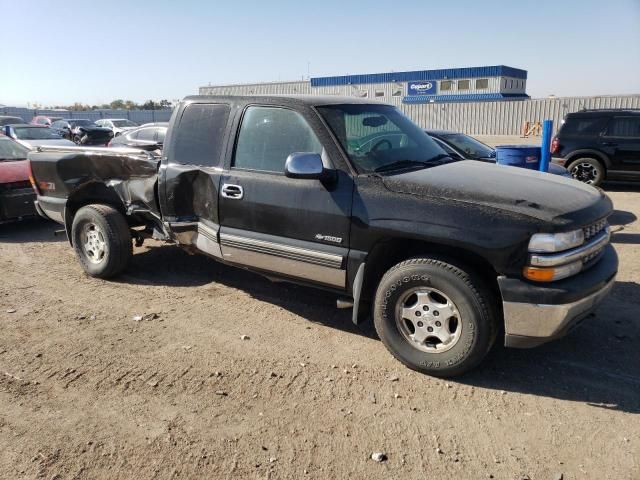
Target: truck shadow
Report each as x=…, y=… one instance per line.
x=621, y=218
x=30, y=230
x=598, y=363
x=179, y=269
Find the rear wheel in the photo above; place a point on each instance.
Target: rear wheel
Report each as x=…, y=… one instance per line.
x=102, y=240
x=587, y=170
x=77, y=140
x=435, y=317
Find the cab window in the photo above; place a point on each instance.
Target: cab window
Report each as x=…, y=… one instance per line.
x=268, y=135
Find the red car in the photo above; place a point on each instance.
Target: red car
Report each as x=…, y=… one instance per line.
x=16, y=194
x=45, y=120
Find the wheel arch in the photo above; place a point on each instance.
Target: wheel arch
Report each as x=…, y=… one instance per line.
x=87, y=194
x=388, y=252
x=586, y=153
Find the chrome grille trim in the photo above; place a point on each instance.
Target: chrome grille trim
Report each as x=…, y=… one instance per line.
x=587, y=251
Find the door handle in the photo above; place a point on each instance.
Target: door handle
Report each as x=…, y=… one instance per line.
x=609, y=144
x=234, y=192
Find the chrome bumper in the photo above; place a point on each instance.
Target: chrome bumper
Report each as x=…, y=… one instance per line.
x=530, y=324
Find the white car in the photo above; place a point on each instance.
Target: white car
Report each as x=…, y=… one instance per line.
x=117, y=125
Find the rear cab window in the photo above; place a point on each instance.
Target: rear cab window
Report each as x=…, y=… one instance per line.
x=199, y=138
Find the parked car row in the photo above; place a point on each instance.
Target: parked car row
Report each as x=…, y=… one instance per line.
x=16, y=194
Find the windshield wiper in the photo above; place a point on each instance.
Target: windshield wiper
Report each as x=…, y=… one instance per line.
x=440, y=156
x=400, y=164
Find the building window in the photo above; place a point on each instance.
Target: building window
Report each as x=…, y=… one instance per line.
x=482, y=83
x=379, y=93
x=362, y=93
x=464, y=84
x=397, y=92
x=510, y=83
x=504, y=83
x=446, y=85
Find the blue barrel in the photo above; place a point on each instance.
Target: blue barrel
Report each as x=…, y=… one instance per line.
x=523, y=156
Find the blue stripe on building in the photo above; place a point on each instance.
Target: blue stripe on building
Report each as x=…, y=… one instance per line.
x=444, y=74
x=477, y=97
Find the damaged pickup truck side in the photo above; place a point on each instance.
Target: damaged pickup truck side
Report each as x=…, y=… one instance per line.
x=349, y=195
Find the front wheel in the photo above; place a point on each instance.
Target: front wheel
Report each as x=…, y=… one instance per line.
x=434, y=317
x=77, y=139
x=102, y=240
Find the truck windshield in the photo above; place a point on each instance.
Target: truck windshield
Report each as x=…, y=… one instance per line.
x=379, y=138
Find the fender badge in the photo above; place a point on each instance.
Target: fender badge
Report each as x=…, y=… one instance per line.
x=328, y=238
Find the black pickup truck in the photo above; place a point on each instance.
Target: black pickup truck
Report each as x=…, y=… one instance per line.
x=351, y=196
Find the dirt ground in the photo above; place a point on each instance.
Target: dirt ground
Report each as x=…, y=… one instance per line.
x=88, y=392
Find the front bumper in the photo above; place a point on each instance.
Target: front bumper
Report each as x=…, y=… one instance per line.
x=536, y=313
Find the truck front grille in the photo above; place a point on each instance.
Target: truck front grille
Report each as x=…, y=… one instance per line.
x=594, y=229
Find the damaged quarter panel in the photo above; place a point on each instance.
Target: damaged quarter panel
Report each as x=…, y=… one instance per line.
x=74, y=173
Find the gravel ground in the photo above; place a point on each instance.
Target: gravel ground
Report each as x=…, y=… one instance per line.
x=88, y=390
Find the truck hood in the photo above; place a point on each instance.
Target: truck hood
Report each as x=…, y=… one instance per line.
x=14, y=171
x=550, y=198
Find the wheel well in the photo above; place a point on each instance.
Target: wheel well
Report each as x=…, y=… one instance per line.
x=93, y=192
x=387, y=253
x=594, y=155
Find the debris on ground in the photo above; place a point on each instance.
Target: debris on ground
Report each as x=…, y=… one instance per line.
x=378, y=457
x=244, y=337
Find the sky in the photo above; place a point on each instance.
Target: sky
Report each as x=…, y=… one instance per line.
x=94, y=52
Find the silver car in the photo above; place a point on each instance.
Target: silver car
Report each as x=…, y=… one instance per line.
x=32, y=136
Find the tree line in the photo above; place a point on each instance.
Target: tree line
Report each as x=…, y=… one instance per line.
x=118, y=104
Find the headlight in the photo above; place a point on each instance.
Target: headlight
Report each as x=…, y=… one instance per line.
x=555, y=242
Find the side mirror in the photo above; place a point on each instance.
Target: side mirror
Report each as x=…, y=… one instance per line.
x=306, y=166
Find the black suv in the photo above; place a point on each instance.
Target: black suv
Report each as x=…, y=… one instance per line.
x=598, y=145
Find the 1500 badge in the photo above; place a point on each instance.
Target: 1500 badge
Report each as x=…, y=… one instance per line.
x=328, y=238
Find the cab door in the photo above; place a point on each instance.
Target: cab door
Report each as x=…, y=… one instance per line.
x=190, y=172
x=295, y=228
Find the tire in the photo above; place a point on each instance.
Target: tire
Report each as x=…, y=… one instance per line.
x=587, y=170
x=77, y=140
x=102, y=240
x=472, y=317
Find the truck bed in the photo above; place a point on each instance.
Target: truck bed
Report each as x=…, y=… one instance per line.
x=130, y=174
